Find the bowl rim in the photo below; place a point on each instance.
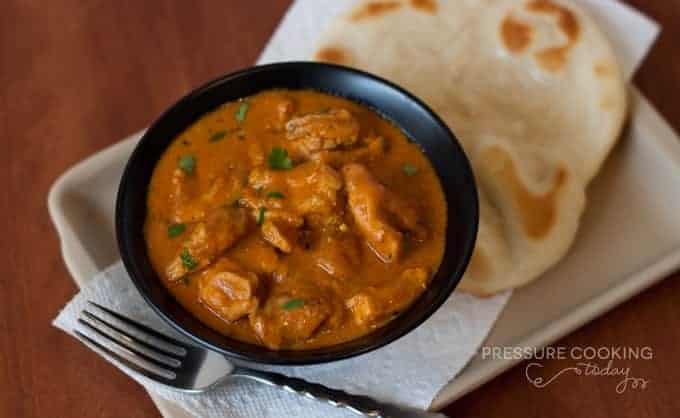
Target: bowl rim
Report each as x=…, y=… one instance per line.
x=278, y=357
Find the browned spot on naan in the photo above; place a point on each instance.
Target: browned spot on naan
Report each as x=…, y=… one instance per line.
x=538, y=213
x=333, y=55
x=552, y=59
x=429, y=6
x=516, y=35
x=555, y=58
x=565, y=18
x=375, y=9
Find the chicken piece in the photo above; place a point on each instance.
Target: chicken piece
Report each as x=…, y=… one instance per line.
x=371, y=148
x=416, y=277
x=188, y=206
x=314, y=188
x=323, y=131
x=286, y=319
x=255, y=255
x=222, y=190
x=273, y=210
x=182, y=198
x=285, y=109
x=376, y=209
x=229, y=292
x=260, y=178
x=364, y=308
x=338, y=256
x=376, y=304
x=279, y=235
x=330, y=225
x=283, y=216
x=374, y=146
x=310, y=188
x=208, y=239
x=255, y=199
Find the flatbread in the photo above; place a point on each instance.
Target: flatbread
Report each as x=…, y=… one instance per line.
x=533, y=91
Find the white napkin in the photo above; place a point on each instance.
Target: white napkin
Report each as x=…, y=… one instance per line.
x=409, y=371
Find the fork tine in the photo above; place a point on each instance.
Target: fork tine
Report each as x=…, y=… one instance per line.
x=122, y=351
x=126, y=357
x=129, y=342
x=140, y=332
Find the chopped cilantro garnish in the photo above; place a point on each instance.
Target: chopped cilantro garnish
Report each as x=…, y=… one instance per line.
x=241, y=112
x=187, y=163
x=291, y=304
x=278, y=159
x=217, y=136
x=410, y=169
x=260, y=216
x=175, y=230
x=275, y=195
x=188, y=261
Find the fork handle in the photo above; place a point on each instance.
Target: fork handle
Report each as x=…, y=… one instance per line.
x=361, y=405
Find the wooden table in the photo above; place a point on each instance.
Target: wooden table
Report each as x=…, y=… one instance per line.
x=77, y=76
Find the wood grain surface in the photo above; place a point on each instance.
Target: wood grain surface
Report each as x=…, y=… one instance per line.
x=76, y=76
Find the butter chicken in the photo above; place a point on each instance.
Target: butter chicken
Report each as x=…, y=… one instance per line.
x=294, y=220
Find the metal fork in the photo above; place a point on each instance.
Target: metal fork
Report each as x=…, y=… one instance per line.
x=195, y=370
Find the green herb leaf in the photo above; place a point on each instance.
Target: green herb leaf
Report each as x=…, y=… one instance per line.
x=410, y=169
x=188, y=260
x=187, y=163
x=275, y=195
x=291, y=304
x=260, y=216
x=279, y=160
x=217, y=136
x=241, y=112
x=175, y=230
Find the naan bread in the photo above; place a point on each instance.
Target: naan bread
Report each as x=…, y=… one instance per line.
x=532, y=90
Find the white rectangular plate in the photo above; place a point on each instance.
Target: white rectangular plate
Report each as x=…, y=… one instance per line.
x=629, y=239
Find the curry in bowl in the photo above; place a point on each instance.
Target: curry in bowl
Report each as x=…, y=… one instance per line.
x=295, y=220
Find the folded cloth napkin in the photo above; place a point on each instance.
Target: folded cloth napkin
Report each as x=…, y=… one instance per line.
x=409, y=371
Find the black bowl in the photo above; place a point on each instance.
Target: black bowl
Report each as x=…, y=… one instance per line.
x=415, y=119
